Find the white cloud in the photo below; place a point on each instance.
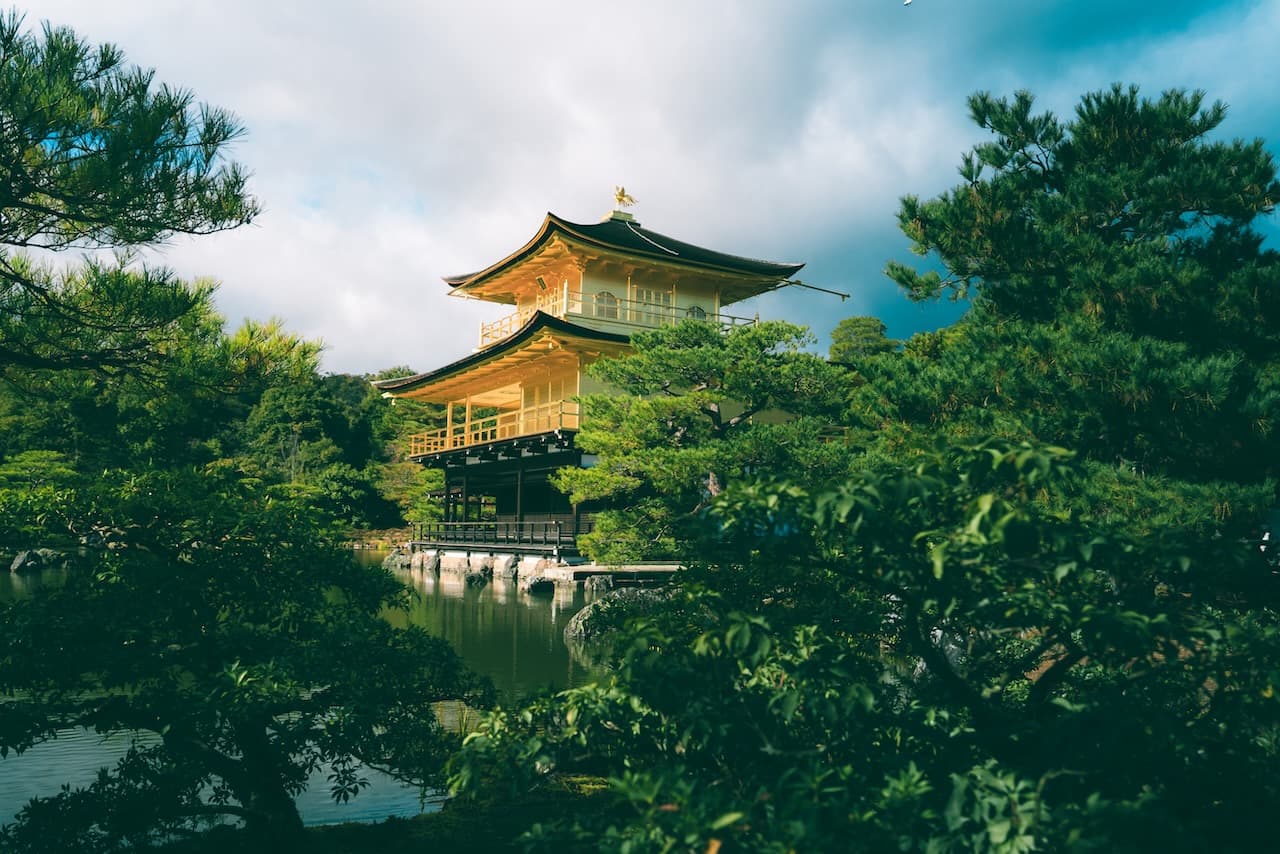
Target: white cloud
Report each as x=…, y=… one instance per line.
x=405, y=141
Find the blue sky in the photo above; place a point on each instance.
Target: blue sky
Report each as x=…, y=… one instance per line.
x=409, y=140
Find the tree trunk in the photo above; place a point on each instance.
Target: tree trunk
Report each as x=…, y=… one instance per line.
x=273, y=818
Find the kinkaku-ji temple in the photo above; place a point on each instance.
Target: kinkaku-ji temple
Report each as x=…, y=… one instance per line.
x=578, y=292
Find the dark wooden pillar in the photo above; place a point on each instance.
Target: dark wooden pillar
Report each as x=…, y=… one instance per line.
x=448, y=497
x=520, y=490
x=466, y=498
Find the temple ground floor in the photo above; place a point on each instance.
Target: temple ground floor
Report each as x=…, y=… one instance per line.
x=500, y=497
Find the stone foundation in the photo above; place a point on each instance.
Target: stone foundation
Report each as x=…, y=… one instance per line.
x=427, y=560
x=534, y=565
x=458, y=562
x=504, y=566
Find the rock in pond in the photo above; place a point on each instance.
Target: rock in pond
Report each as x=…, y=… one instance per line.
x=34, y=560
x=611, y=610
x=535, y=584
x=398, y=559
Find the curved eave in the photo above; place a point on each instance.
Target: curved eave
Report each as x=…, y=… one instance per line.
x=648, y=244
x=538, y=324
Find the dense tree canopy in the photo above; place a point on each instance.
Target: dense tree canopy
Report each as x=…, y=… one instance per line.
x=236, y=634
x=1124, y=303
x=855, y=337
x=1033, y=616
x=698, y=407
x=196, y=480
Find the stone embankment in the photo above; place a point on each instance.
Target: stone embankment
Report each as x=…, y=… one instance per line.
x=531, y=572
x=35, y=560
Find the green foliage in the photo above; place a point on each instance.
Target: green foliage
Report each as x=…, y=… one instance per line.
x=1128, y=234
x=1128, y=214
x=1116, y=398
x=252, y=399
x=209, y=606
x=409, y=486
x=1123, y=304
x=345, y=494
x=406, y=485
x=643, y=528
x=979, y=641
x=290, y=431
x=36, y=468
x=38, y=497
x=252, y=648
x=266, y=355
x=993, y=675
x=96, y=154
x=855, y=337
x=698, y=407
x=317, y=435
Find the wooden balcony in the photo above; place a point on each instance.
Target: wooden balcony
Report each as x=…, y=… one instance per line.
x=603, y=310
x=557, y=415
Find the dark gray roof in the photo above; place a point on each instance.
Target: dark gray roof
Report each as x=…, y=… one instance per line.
x=627, y=236
x=538, y=321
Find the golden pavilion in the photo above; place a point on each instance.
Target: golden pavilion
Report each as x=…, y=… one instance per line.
x=577, y=293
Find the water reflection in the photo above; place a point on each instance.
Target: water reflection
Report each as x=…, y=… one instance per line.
x=513, y=637
x=21, y=585
x=74, y=756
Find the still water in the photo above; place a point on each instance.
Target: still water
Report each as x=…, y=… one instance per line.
x=516, y=639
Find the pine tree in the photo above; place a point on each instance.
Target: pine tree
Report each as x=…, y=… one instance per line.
x=94, y=154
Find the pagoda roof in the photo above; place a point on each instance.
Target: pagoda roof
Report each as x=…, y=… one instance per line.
x=540, y=325
x=622, y=234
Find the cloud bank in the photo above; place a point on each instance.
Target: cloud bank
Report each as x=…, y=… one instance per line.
x=401, y=142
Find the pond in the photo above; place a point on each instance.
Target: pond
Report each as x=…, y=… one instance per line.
x=516, y=639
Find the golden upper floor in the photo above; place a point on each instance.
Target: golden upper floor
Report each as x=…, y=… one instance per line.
x=616, y=276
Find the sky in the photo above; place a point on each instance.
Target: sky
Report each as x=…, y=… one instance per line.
x=393, y=143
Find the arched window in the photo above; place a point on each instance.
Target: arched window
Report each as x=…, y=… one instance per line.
x=606, y=305
x=696, y=312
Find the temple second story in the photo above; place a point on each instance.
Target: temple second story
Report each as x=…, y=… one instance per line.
x=615, y=276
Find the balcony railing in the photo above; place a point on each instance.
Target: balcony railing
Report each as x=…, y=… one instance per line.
x=603, y=307
x=557, y=415
x=552, y=302
x=549, y=535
